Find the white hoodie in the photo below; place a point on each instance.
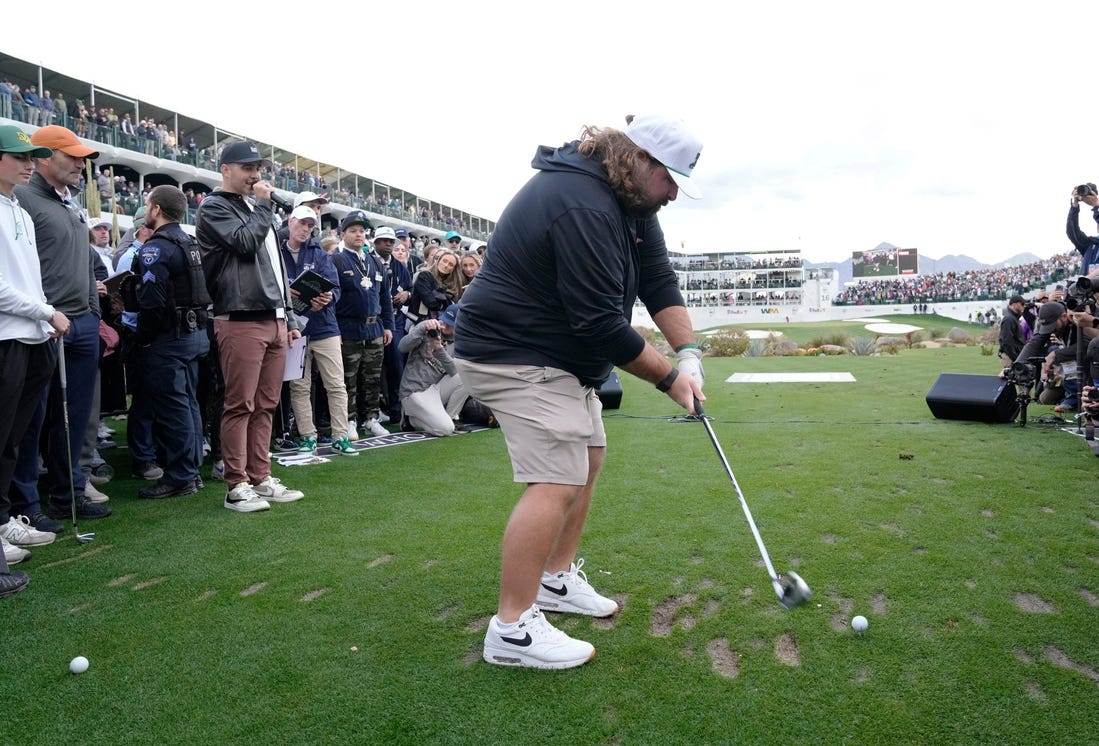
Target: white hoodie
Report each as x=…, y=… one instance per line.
x=24, y=313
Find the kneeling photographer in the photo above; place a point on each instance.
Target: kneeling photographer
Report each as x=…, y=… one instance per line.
x=1082, y=304
x=432, y=394
x=1077, y=322
x=1044, y=346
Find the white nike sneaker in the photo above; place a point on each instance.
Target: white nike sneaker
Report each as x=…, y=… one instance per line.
x=244, y=499
x=532, y=642
x=570, y=592
x=374, y=428
x=273, y=490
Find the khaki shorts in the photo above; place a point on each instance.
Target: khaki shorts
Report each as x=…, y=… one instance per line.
x=548, y=417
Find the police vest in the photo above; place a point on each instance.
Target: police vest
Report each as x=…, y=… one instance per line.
x=189, y=288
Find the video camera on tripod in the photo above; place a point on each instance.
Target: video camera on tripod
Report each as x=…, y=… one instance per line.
x=1023, y=375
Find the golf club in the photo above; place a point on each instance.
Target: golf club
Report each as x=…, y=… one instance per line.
x=791, y=589
x=80, y=538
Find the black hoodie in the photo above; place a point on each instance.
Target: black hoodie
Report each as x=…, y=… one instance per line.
x=561, y=274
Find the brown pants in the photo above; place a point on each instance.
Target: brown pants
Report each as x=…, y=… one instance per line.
x=253, y=358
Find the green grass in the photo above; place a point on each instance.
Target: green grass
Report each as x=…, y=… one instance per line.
x=404, y=544
x=806, y=332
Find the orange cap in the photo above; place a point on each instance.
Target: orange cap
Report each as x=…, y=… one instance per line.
x=56, y=137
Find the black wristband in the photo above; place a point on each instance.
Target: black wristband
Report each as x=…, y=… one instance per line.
x=666, y=384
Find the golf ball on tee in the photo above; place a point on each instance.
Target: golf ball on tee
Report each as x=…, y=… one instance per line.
x=859, y=624
x=79, y=664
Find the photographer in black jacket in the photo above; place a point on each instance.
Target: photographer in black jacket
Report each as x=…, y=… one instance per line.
x=1012, y=335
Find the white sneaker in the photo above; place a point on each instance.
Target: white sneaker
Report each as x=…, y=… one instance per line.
x=244, y=499
x=383, y=418
x=13, y=554
x=217, y=471
x=570, y=592
x=104, y=432
x=532, y=642
x=94, y=495
x=275, y=491
x=352, y=431
x=375, y=427
x=19, y=531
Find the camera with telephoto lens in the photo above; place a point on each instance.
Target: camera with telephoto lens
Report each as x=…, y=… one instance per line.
x=1093, y=395
x=433, y=333
x=1080, y=295
x=1085, y=190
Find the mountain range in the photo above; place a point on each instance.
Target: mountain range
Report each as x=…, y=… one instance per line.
x=929, y=266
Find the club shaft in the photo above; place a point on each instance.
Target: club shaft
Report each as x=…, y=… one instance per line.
x=739, y=494
x=68, y=434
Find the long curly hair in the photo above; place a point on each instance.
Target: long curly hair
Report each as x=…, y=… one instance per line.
x=626, y=163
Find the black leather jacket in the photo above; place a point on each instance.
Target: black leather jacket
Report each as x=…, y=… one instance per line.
x=239, y=274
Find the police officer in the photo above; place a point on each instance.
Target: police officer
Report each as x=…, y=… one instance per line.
x=171, y=337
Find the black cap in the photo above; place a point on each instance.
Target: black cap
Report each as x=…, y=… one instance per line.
x=355, y=217
x=241, y=152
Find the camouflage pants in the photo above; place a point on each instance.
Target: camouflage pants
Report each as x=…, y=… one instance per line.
x=362, y=372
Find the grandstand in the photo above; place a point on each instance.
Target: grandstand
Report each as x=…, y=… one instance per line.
x=772, y=287
x=182, y=151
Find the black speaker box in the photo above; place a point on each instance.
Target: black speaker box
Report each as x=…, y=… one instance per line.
x=959, y=396
x=610, y=391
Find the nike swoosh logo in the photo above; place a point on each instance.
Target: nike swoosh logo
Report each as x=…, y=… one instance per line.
x=522, y=642
x=562, y=591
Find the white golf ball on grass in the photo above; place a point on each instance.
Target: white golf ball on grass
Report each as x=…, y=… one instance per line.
x=79, y=664
x=859, y=624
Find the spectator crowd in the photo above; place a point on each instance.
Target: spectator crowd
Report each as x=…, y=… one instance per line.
x=189, y=336
x=970, y=285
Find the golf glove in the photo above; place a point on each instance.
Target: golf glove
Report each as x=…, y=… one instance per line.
x=690, y=362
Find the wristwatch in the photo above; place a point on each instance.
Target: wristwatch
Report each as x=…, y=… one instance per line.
x=666, y=384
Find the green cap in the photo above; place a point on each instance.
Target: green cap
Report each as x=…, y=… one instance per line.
x=15, y=140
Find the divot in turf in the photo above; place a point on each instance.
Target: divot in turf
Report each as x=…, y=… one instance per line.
x=664, y=615
x=1032, y=603
x=254, y=589
x=726, y=662
x=786, y=650
x=1058, y=658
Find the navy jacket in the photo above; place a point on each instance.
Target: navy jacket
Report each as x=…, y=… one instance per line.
x=361, y=283
x=318, y=324
x=1087, y=246
x=398, y=279
x=561, y=274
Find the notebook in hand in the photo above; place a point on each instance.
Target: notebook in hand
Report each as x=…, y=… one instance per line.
x=309, y=285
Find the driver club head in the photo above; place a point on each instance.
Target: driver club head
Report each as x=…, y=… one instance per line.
x=792, y=590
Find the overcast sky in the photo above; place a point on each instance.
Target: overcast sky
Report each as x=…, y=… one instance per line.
x=952, y=127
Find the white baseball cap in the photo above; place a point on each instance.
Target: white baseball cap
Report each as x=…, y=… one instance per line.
x=668, y=141
x=310, y=197
x=385, y=232
x=304, y=212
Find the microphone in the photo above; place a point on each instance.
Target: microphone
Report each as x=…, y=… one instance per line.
x=280, y=201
